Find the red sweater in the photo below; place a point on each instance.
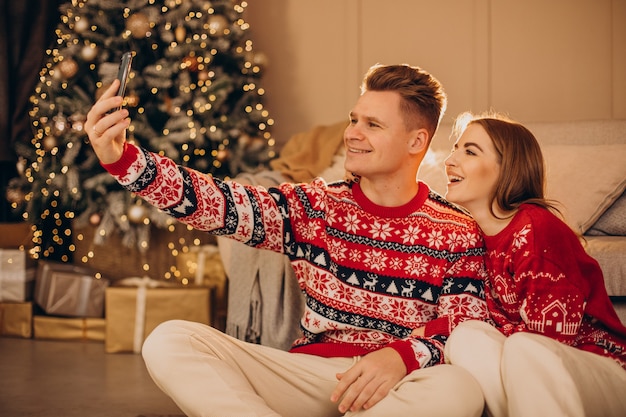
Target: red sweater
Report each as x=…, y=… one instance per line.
x=370, y=274
x=541, y=280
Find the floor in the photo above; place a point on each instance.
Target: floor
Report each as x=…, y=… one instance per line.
x=42, y=378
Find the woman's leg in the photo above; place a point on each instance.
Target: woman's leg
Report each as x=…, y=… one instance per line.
x=477, y=347
x=208, y=373
x=543, y=377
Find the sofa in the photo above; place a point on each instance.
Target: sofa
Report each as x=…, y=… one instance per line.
x=586, y=175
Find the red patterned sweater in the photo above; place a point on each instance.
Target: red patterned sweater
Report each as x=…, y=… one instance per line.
x=370, y=274
x=541, y=280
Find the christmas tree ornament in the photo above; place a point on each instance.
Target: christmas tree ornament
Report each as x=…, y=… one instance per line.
x=136, y=214
x=260, y=59
x=203, y=75
x=59, y=123
x=217, y=24
x=180, y=33
x=20, y=165
x=131, y=99
x=138, y=24
x=15, y=195
x=67, y=68
x=49, y=143
x=77, y=121
x=222, y=155
x=81, y=25
x=89, y=52
x=95, y=219
x=189, y=63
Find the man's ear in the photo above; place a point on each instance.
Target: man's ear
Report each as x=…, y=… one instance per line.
x=419, y=141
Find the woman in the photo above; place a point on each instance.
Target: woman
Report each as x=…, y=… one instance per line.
x=556, y=346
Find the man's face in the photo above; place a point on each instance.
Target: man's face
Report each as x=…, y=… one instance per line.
x=376, y=139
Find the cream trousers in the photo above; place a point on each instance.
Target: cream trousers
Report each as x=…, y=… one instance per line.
x=532, y=375
x=208, y=373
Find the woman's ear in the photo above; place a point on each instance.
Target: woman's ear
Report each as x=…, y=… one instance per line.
x=419, y=141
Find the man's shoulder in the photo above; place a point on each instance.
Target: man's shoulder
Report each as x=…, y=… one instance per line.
x=449, y=210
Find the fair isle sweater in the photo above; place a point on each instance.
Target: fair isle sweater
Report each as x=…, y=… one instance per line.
x=541, y=280
x=370, y=274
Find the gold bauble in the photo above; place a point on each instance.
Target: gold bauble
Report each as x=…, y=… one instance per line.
x=95, y=219
x=222, y=155
x=81, y=25
x=203, y=75
x=180, y=33
x=190, y=63
x=89, y=52
x=138, y=25
x=77, y=121
x=49, y=143
x=136, y=213
x=20, y=165
x=132, y=99
x=217, y=24
x=67, y=68
x=15, y=195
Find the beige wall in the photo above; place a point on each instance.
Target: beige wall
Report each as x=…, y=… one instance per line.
x=537, y=60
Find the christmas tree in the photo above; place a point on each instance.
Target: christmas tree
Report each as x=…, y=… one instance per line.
x=193, y=95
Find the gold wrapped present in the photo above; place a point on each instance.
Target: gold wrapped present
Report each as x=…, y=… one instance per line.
x=132, y=312
x=69, y=290
x=202, y=265
x=16, y=319
x=69, y=328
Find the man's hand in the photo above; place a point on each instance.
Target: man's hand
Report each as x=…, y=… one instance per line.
x=369, y=380
x=107, y=132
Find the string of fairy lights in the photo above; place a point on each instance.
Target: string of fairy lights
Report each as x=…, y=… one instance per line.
x=193, y=95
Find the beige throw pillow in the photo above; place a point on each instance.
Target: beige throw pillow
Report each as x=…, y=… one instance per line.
x=585, y=179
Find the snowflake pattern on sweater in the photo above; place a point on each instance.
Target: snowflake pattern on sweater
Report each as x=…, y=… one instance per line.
x=541, y=280
x=370, y=274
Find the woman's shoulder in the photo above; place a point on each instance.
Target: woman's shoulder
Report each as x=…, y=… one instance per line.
x=542, y=226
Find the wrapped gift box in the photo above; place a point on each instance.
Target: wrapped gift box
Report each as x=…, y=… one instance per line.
x=133, y=312
x=16, y=319
x=69, y=328
x=17, y=275
x=69, y=290
x=17, y=286
x=202, y=265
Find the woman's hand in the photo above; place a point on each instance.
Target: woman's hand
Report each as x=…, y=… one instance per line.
x=107, y=131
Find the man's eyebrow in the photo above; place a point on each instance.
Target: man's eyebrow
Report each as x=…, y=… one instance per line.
x=368, y=118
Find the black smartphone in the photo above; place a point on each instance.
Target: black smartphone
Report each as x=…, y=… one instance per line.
x=122, y=73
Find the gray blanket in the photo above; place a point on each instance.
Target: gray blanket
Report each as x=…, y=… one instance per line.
x=265, y=303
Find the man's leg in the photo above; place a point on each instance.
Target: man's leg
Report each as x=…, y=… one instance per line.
x=437, y=391
x=208, y=373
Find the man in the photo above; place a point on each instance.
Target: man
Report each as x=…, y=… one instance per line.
x=378, y=258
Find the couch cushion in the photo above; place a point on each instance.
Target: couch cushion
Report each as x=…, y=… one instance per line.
x=610, y=252
x=613, y=221
x=585, y=180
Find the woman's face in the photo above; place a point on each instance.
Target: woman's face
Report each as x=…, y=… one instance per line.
x=473, y=168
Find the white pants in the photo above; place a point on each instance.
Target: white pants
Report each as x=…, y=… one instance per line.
x=532, y=375
x=208, y=373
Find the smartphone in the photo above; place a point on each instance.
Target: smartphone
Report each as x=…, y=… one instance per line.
x=122, y=73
